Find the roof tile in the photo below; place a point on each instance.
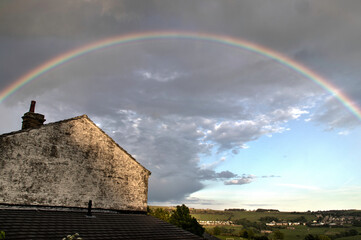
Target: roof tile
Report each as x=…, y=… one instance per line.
x=49, y=224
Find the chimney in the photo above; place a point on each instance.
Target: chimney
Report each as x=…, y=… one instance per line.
x=32, y=119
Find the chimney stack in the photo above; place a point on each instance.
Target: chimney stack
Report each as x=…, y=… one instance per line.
x=32, y=119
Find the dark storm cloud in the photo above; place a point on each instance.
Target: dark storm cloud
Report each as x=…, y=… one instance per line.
x=168, y=101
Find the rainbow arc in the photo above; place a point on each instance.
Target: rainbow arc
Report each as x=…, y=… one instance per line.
x=230, y=41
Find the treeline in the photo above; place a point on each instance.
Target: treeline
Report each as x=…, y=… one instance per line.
x=267, y=219
x=235, y=210
x=267, y=210
x=339, y=213
x=206, y=211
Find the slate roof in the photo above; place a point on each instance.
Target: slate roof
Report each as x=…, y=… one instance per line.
x=54, y=224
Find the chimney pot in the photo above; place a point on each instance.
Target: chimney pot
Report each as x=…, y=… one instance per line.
x=32, y=106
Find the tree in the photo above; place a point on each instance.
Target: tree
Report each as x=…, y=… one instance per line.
x=261, y=238
x=182, y=218
x=323, y=237
x=268, y=219
x=244, y=233
x=277, y=235
x=160, y=213
x=216, y=230
x=247, y=233
x=301, y=219
x=310, y=237
x=317, y=237
x=352, y=232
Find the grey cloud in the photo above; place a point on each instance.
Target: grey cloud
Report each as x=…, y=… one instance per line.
x=271, y=176
x=245, y=179
x=167, y=117
x=335, y=115
x=235, y=134
x=207, y=174
x=168, y=124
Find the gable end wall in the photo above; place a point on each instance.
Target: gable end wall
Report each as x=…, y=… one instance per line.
x=67, y=164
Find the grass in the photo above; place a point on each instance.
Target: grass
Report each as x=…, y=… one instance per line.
x=358, y=237
x=301, y=231
x=251, y=216
x=298, y=233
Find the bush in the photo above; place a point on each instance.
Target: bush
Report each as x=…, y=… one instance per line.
x=277, y=235
x=216, y=230
x=73, y=237
x=268, y=219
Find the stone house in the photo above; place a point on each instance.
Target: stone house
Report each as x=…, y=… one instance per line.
x=70, y=177
x=68, y=163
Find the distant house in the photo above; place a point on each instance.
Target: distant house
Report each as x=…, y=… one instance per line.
x=69, y=176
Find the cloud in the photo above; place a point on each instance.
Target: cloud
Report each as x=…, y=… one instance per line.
x=207, y=174
x=213, y=164
x=159, y=76
x=168, y=121
x=344, y=133
x=335, y=115
x=245, y=179
x=235, y=134
x=271, y=176
x=168, y=101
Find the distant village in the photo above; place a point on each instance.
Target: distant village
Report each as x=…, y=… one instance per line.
x=330, y=220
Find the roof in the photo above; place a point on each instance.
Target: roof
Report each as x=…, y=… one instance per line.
x=56, y=224
x=84, y=116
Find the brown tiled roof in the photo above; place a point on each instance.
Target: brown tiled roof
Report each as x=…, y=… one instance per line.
x=50, y=224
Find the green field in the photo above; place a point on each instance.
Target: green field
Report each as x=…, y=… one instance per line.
x=351, y=238
x=299, y=232
x=249, y=215
x=290, y=232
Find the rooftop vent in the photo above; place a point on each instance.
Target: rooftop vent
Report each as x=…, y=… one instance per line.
x=32, y=119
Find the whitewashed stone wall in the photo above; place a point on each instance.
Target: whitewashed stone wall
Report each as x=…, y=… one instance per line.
x=68, y=163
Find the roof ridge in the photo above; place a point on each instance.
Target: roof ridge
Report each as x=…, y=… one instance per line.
x=112, y=140
x=45, y=125
x=76, y=118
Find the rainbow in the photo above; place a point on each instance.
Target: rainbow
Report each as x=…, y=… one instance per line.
x=230, y=41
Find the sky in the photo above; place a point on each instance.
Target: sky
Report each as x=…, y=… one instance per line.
x=218, y=125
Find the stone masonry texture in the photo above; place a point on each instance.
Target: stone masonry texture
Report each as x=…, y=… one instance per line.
x=68, y=163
